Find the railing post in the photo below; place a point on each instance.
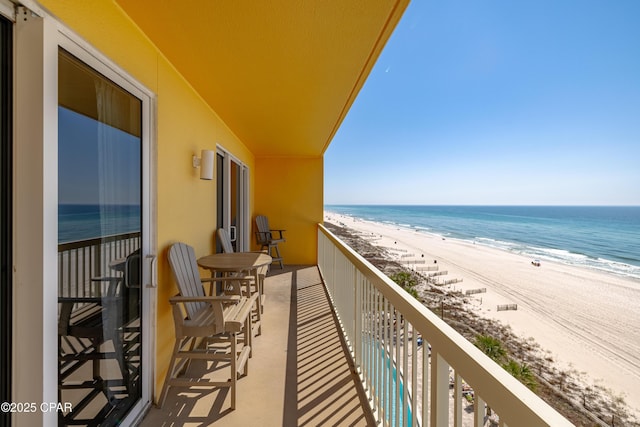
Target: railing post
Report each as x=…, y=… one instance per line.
x=439, y=390
x=426, y=408
x=97, y=257
x=457, y=400
x=478, y=411
x=405, y=368
x=398, y=327
x=357, y=310
x=414, y=374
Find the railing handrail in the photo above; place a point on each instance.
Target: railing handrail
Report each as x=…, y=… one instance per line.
x=486, y=377
x=76, y=244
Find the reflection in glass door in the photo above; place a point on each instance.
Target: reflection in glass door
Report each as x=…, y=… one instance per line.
x=99, y=244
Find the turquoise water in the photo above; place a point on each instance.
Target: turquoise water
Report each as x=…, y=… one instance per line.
x=606, y=238
x=389, y=402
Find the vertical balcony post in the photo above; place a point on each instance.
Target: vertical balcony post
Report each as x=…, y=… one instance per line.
x=405, y=369
x=357, y=310
x=439, y=390
x=425, y=382
x=397, y=316
x=479, y=411
x=457, y=400
x=414, y=374
x=379, y=351
x=386, y=363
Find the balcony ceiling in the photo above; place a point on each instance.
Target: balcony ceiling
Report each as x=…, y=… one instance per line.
x=282, y=74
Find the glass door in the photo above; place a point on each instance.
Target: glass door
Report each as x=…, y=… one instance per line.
x=6, y=213
x=100, y=238
x=232, y=192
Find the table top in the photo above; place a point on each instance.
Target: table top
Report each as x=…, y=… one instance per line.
x=235, y=261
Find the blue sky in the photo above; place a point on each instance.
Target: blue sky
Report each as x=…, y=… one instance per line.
x=95, y=172
x=497, y=102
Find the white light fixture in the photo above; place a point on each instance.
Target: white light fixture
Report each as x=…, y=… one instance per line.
x=205, y=163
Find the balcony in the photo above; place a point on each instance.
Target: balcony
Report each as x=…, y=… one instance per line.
x=339, y=347
x=299, y=374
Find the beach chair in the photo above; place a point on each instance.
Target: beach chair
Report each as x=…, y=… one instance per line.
x=269, y=238
x=217, y=320
x=225, y=241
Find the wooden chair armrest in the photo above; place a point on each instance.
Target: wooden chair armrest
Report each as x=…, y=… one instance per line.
x=112, y=281
x=235, y=319
x=280, y=236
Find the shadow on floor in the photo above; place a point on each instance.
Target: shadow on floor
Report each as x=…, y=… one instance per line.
x=321, y=388
x=299, y=375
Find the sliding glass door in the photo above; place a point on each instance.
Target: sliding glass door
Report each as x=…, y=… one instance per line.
x=100, y=239
x=232, y=200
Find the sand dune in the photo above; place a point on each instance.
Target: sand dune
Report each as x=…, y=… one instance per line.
x=588, y=320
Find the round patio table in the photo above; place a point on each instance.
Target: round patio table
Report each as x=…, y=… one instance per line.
x=239, y=263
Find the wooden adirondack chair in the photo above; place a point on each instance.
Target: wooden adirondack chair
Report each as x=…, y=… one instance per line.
x=225, y=241
x=269, y=238
x=215, y=319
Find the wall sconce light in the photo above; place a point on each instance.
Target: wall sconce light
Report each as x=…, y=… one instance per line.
x=205, y=163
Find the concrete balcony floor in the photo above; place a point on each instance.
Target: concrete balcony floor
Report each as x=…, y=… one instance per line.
x=300, y=373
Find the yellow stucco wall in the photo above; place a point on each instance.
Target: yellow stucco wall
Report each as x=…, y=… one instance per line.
x=186, y=205
x=289, y=191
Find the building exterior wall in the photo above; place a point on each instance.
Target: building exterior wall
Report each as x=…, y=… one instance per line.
x=185, y=205
x=289, y=191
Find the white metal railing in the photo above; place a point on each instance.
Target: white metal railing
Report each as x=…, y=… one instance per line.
x=414, y=367
x=80, y=261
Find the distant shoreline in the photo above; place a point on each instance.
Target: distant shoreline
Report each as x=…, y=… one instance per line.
x=603, y=238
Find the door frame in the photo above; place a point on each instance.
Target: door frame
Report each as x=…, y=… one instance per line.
x=38, y=37
x=6, y=190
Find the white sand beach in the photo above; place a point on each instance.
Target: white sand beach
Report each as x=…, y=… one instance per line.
x=589, y=321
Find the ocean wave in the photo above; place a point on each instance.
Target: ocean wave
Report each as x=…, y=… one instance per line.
x=617, y=267
x=499, y=244
x=565, y=257
x=561, y=253
x=582, y=260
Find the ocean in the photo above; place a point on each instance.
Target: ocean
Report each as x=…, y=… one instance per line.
x=82, y=222
x=605, y=238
